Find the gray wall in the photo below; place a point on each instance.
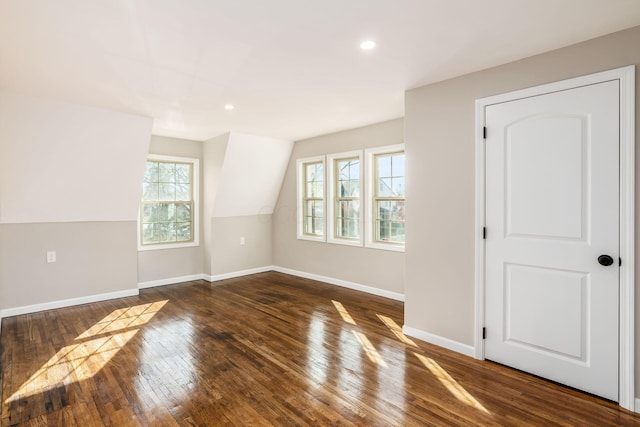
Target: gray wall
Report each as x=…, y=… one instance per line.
x=439, y=132
x=69, y=182
x=92, y=258
x=228, y=255
x=370, y=267
x=213, y=154
x=170, y=263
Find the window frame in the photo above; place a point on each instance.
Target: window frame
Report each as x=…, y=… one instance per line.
x=332, y=198
x=371, y=185
x=301, y=196
x=195, y=199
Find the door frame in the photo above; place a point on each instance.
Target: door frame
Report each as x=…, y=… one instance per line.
x=626, y=77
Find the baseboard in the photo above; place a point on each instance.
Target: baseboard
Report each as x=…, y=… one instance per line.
x=171, y=281
x=16, y=311
x=345, y=284
x=452, y=345
x=637, y=405
x=240, y=273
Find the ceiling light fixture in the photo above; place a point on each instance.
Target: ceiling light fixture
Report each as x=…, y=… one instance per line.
x=229, y=107
x=367, y=45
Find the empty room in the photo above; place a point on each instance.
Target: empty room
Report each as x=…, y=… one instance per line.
x=290, y=213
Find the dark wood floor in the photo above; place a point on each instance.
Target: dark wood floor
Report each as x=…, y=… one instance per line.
x=268, y=349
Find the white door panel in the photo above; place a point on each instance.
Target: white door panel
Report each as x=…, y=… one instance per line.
x=552, y=184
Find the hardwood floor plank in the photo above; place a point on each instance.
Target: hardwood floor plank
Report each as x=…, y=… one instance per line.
x=267, y=349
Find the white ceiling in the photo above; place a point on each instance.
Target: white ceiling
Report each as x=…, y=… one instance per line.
x=292, y=68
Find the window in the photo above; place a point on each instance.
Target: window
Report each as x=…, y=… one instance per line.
x=386, y=190
x=339, y=213
x=169, y=207
x=345, y=206
x=311, y=196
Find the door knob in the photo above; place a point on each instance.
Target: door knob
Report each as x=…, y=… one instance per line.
x=605, y=260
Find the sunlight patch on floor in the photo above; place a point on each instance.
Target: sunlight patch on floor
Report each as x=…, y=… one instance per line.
x=452, y=385
x=370, y=350
x=396, y=329
x=124, y=318
x=78, y=362
x=343, y=312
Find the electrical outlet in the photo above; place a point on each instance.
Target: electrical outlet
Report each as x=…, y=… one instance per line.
x=51, y=256
x=242, y=241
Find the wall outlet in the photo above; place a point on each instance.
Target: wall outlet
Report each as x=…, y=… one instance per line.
x=51, y=256
x=242, y=241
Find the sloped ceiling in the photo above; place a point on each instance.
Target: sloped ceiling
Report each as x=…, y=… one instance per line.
x=292, y=68
x=251, y=175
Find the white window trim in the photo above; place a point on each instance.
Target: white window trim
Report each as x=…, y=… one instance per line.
x=196, y=205
x=301, y=189
x=370, y=216
x=331, y=205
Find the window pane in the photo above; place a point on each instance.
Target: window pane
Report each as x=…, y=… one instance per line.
x=354, y=167
x=314, y=217
x=183, y=231
x=149, y=191
x=383, y=166
x=148, y=233
x=166, y=231
x=183, y=191
x=314, y=189
x=151, y=173
x=384, y=187
x=167, y=192
x=167, y=172
x=347, y=219
x=348, y=209
x=348, y=169
x=390, y=221
x=314, y=174
x=397, y=186
x=183, y=212
x=347, y=228
x=183, y=173
x=166, y=212
x=314, y=225
x=318, y=226
x=390, y=231
x=397, y=165
x=149, y=213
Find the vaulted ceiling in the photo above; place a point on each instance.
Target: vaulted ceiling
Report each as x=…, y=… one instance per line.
x=292, y=68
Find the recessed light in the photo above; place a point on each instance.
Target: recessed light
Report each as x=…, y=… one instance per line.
x=367, y=45
x=229, y=107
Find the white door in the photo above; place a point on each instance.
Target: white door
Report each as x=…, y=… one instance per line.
x=552, y=209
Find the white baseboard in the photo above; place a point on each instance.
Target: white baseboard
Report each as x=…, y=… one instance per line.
x=345, y=284
x=16, y=311
x=172, y=281
x=240, y=273
x=452, y=345
x=637, y=405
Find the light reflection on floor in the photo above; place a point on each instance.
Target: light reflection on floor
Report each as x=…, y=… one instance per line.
x=94, y=349
x=369, y=349
x=396, y=329
x=343, y=312
x=398, y=377
x=452, y=385
x=317, y=353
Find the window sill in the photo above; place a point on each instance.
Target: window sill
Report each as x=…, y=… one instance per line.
x=385, y=246
x=312, y=238
x=167, y=246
